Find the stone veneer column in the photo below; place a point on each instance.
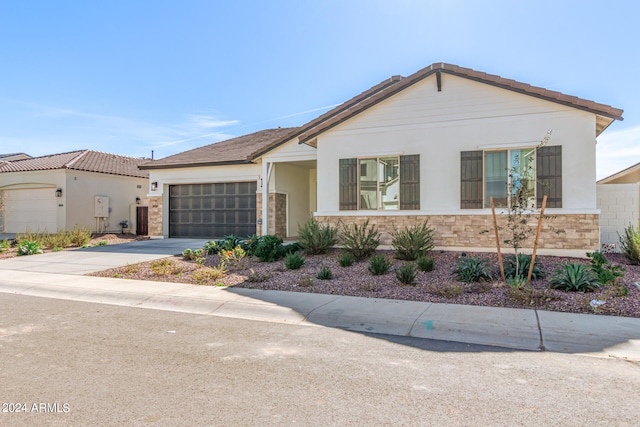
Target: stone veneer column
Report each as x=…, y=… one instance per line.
x=155, y=216
x=277, y=214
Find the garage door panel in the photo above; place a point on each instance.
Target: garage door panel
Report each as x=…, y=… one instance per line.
x=212, y=210
x=31, y=209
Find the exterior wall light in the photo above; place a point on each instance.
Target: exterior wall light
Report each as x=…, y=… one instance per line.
x=138, y=200
x=154, y=185
x=59, y=192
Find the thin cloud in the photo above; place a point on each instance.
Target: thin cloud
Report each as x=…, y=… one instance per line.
x=617, y=150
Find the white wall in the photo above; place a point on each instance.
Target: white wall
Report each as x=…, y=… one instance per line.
x=50, y=179
x=82, y=187
x=464, y=116
x=620, y=206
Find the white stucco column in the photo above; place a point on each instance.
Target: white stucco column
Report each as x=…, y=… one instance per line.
x=266, y=175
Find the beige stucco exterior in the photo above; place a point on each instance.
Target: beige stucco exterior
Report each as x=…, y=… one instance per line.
x=75, y=207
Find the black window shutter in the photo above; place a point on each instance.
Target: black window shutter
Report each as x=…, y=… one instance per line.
x=348, y=184
x=471, y=180
x=410, y=182
x=549, y=175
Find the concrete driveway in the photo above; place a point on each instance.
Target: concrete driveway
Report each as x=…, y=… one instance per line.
x=89, y=260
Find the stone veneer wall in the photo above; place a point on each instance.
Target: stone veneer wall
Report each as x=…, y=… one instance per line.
x=277, y=214
x=155, y=216
x=566, y=231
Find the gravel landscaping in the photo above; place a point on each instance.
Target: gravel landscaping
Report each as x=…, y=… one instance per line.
x=438, y=285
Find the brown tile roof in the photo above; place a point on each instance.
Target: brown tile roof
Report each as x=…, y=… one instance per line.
x=606, y=114
x=83, y=160
x=238, y=150
x=245, y=149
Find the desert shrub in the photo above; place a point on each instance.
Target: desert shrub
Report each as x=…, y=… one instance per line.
x=379, y=265
x=208, y=274
x=165, y=267
x=29, y=247
x=574, y=277
x=325, y=273
x=413, y=242
x=58, y=240
x=305, y=282
x=521, y=263
x=5, y=245
x=33, y=236
x=472, y=269
x=294, y=261
x=446, y=290
x=630, y=244
x=250, y=244
x=211, y=247
x=189, y=255
x=79, y=236
x=406, y=274
x=257, y=277
x=607, y=273
x=346, y=259
x=426, y=263
x=233, y=258
x=316, y=238
x=102, y=243
x=269, y=248
x=360, y=240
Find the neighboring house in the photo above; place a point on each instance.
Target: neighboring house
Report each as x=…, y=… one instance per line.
x=436, y=144
x=13, y=156
x=619, y=203
x=81, y=188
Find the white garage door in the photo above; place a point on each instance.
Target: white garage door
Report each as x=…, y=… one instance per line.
x=34, y=209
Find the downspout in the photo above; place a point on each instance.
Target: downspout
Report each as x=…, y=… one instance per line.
x=267, y=167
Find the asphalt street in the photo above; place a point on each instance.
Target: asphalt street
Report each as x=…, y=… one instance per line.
x=80, y=363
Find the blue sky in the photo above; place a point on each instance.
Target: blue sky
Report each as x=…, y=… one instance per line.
x=128, y=77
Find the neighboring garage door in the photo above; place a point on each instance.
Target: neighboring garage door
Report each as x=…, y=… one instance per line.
x=212, y=210
x=34, y=209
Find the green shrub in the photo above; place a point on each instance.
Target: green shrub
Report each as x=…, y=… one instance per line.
x=189, y=255
x=630, y=244
x=379, y=265
x=250, y=244
x=29, y=247
x=521, y=263
x=345, y=259
x=406, y=274
x=472, y=269
x=607, y=273
x=102, y=243
x=325, y=273
x=5, y=245
x=426, y=263
x=316, y=238
x=234, y=258
x=574, y=277
x=413, y=242
x=211, y=248
x=59, y=240
x=293, y=261
x=269, y=248
x=360, y=240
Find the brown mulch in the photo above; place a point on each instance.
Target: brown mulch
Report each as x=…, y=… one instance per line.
x=438, y=286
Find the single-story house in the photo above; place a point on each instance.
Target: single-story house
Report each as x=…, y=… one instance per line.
x=13, y=156
x=81, y=188
x=618, y=198
x=434, y=145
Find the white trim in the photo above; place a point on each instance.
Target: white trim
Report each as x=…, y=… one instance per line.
x=290, y=158
x=524, y=144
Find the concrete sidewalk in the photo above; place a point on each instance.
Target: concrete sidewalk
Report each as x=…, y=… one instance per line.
x=512, y=328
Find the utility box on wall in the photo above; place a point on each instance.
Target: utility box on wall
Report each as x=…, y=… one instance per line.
x=101, y=207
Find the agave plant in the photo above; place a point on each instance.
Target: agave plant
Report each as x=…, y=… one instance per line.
x=574, y=277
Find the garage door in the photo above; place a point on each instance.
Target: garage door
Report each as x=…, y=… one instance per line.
x=212, y=210
x=34, y=209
